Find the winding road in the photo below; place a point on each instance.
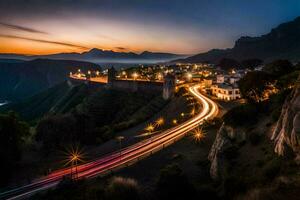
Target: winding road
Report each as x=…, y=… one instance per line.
x=126, y=156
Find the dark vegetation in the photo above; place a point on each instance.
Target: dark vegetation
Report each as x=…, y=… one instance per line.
x=260, y=176
x=97, y=118
x=13, y=133
x=229, y=64
x=265, y=92
x=58, y=99
x=117, y=188
x=173, y=184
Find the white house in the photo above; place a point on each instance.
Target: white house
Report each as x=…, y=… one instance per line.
x=220, y=78
x=233, y=79
x=226, y=91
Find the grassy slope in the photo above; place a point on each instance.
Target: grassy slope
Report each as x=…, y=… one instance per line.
x=58, y=99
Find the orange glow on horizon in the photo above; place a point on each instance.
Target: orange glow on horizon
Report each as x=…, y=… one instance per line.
x=15, y=46
x=80, y=35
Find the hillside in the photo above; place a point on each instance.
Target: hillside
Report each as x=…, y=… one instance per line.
x=19, y=80
x=58, y=99
x=283, y=42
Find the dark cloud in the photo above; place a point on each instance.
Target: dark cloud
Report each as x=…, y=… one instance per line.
x=21, y=28
x=43, y=41
x=121, y=48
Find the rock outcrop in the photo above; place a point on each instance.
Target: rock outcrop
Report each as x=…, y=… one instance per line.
x=215, y=156
x=220, y=143
x=224, y=140
x=287, y=132
x=282, y=42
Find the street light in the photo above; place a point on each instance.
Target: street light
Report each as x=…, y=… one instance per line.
x=150, y=128
x=198, y=134
x=119, y=139
x=75, y=155
x=159, y=122
x=174, y=121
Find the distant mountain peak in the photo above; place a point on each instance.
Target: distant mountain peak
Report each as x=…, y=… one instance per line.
x=98, y=55
x=282, y=42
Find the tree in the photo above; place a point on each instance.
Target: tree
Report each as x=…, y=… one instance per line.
x=12, y=133
x=251, y=63
x=279, y=68
x=122, y=189
x=254, y=85
x=228, y=64
x=242, y=115
x=55, y=131
x=173, y=184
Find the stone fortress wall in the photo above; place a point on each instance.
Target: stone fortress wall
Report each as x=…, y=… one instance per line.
x=167, y=87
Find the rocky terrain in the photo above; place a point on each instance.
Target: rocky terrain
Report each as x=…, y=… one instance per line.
x=281, y=42
x=259, y=160
x=287, y=132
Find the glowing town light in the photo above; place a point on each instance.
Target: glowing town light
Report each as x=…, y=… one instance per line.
x=193, y=112
x=182, y=114
x=189, y=76
x=174, y=121
x=71, y=74
x=159, y=76
x=123, y=73
x=97, y=73
x=89, y=72
x=135, y=75
x=79, y=70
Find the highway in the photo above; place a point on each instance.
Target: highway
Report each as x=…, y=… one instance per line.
x=126, y=156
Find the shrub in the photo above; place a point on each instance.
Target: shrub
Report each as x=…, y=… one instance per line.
x=173, y=184
x=272, y=168
x=233, y=185
x=241, y=116
x=254, y=138
x=122, y=189
x=231, y=152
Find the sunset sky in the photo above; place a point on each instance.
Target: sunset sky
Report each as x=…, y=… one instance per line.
x=178, y=26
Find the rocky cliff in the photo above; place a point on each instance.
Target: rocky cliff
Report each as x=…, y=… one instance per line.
x=222, y=143
x=282, y=42
x=287, y=132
